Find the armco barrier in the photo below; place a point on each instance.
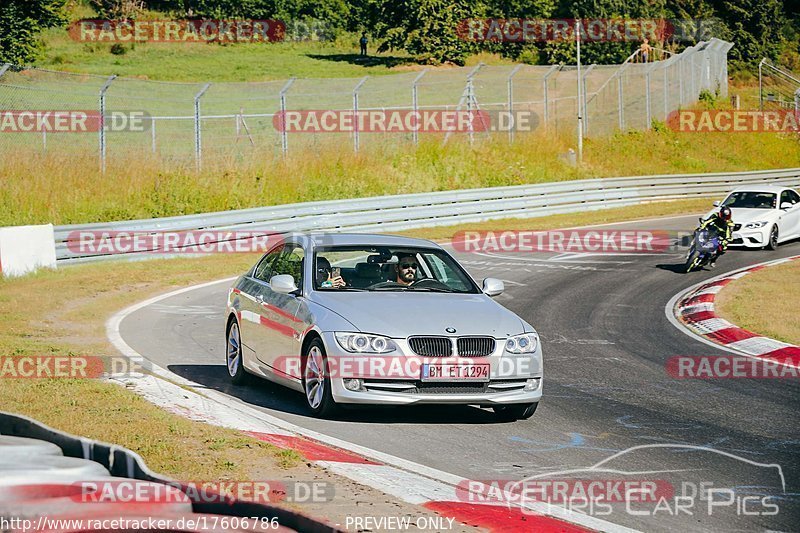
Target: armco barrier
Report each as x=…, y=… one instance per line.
x=17, y=498
x=400, y=212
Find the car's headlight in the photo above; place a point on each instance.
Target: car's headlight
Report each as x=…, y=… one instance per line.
x=363, y=343
x=756, y=225
x=525, y=343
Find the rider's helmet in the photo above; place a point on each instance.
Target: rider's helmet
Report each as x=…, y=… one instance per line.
x=725, y=213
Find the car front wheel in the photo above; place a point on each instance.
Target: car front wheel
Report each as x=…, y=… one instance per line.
x=509, y=413
x=773, y=238
x=317, y=381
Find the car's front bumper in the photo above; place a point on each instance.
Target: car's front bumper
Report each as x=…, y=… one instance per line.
x=447, y=393
x=513, y=379
x=750, y=238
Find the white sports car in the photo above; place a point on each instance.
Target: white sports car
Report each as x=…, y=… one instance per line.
x=763, y=216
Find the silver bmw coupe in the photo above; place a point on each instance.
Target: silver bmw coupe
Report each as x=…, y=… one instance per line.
x=379, y=319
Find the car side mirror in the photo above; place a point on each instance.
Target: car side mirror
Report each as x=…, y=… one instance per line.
x=786, y=205
x=283, y=284
x=493, y=287
x=717, y=203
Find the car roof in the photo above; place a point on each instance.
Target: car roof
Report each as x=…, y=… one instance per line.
x=368, y=239
x=761, y=188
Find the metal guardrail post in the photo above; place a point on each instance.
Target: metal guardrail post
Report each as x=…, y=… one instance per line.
x=284, y=133
x=414, y=103
x=545, y=95
x=102, y=122
x=355, y=111
x=511, y=102
x=198, y=142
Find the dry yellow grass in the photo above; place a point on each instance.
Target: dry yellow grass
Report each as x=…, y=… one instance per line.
x=64, y=190
x=765, y=302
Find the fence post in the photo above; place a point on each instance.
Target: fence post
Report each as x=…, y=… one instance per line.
x=102, y=122
x=153, y=133
x=666, y=91
x=760, y=86
x=648, y=111
x=355, y=111
x=621, y=96
x=4, y=68
x=471, y=97
x=414, y=104
x=198, y=143
x=284, y=133
x=546, y=99
x=511, y=102
x=585, y=100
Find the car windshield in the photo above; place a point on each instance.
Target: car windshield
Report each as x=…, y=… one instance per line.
x=752, y=200
x=365, y=268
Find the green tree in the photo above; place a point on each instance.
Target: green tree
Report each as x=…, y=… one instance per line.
x=426, y=28
x=755, y=27
x=21, y=21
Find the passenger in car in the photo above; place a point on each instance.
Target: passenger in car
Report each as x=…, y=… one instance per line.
x=323, y=275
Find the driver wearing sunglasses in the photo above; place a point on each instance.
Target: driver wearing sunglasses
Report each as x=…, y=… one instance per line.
x=407, y=267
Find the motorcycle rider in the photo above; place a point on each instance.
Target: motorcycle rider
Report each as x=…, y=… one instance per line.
x=722, y=224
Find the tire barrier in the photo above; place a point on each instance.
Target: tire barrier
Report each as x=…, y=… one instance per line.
x=12, y=447
x=47, y=473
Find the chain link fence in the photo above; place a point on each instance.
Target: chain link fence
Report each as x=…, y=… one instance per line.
x=189, y=123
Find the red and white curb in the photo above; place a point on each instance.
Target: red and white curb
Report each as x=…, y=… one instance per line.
x=693, y=309
x=411, y=482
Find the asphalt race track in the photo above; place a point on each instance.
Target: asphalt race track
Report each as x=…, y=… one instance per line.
x=606, y=339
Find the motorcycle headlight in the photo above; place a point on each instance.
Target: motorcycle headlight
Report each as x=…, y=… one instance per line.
x=525, y=343
x=363, y=343
x=756, y=225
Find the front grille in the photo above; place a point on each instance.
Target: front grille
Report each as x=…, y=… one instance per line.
x=737, y=227
x=475, y=346
x=431, y=346
x=449, y=388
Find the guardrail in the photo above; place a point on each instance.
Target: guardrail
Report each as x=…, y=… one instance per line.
x=399, y=212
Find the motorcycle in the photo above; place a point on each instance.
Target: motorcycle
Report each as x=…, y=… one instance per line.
x=702, y=250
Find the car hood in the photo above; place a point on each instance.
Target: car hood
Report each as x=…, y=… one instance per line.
x=402, y=314
x=743, y=215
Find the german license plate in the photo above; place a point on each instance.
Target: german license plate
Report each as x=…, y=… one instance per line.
x=455, y=372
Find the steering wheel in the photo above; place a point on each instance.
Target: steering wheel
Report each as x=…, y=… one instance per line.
x=382, y=284
x=430, y=283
